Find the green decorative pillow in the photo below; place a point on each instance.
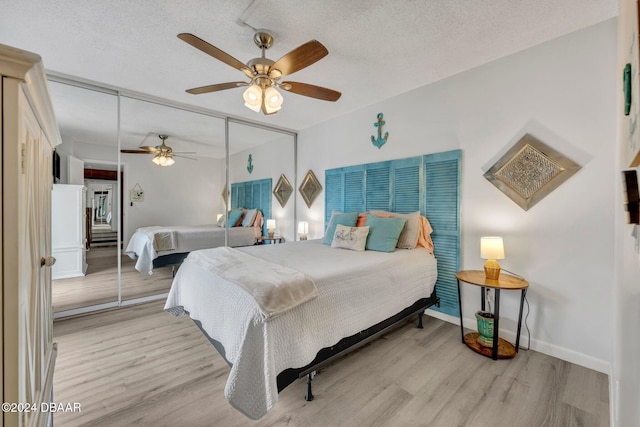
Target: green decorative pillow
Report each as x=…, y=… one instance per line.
x=234, y=217
x=348, y=219
x=383, y=233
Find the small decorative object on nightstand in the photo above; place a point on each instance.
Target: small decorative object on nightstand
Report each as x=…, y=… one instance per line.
x=501, y=349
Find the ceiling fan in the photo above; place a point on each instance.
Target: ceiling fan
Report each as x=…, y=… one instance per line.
x=163, y=153
x=265, y=74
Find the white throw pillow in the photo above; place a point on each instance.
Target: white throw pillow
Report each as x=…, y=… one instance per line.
x=353, y=238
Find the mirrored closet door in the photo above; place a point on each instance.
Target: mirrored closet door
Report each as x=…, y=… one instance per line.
x=262, y=170
x=85, y=199
x=174, y=166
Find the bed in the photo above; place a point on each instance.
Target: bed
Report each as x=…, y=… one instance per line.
x=360, y=289
x=358, y=296
x=158, y=246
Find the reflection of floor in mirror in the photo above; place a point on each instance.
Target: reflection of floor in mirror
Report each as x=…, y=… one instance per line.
x=100, y=285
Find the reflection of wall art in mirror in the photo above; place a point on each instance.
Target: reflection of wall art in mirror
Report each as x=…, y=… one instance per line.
x=529, y=171
x=250, y=164
x=310, y=188
x=137, y=193
x=283, y=190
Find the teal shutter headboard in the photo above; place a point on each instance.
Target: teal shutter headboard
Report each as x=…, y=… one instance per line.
x=253, y=195
x=430, y=184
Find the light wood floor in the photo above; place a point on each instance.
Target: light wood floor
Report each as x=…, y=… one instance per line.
x=100, y=285
x=141, y=366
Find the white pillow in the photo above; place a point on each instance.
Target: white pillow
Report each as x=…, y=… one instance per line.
x=409, y=237
x=249, y=217
x=353, y=238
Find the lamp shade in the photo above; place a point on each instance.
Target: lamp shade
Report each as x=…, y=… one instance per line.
x=272, y=100
x=303, y=227
x=253, y=97
x=491, y=248
x=271, y=224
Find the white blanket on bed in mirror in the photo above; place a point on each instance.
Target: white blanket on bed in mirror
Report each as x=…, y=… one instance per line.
x=356, y=291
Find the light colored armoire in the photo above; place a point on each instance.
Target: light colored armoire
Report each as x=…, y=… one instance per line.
x=29, y=133
x=68, y=225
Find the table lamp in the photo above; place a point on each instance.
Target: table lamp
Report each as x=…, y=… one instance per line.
x=491, y=249
x=271, y=227
x=303, y=229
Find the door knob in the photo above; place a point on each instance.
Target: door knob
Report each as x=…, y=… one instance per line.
x=47, y=261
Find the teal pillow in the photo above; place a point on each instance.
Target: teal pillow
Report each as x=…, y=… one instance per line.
x=234, y=216
x=383, y=233
x=347, y=219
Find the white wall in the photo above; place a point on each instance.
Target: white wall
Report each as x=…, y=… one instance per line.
x=186, y=193
x=564, y=93
x=626, y=367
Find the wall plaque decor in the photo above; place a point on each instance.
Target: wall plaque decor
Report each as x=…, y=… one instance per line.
x=529, y=171
x=310, y=188
x=283, y=190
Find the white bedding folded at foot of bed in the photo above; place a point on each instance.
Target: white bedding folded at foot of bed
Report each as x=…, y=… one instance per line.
x=275, y=288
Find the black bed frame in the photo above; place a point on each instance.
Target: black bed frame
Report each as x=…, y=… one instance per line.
x=346, y=345
x=173, y=260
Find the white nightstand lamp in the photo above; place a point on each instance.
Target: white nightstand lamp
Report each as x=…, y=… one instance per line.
x=303, y=229
x=271, y=227
x=491, y=249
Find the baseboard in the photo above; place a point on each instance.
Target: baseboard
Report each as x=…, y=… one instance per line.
x=537, y=345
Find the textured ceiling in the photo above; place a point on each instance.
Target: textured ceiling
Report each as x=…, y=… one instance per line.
x=376, y=49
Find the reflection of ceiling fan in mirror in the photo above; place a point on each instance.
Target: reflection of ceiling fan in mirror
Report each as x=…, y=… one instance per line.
x=261, y=95
x=163, y=154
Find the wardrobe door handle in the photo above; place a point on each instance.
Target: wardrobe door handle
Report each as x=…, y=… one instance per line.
x=47, y=261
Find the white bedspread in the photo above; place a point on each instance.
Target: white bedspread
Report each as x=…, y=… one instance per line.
x=356, y=290
x=184, y=238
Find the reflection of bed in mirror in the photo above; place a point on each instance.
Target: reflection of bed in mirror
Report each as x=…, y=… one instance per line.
x=336, y=300
x=160, y=246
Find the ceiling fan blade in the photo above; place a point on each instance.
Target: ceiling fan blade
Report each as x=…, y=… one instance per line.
x=148, y=148
x=210, y=49
x=183, y=152
x=312, y=91
x=136, y=152
x=299, y=58
x=183, y=157
x=216, y=87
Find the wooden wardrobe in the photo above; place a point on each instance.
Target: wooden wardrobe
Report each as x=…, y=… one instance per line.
x=28, y=135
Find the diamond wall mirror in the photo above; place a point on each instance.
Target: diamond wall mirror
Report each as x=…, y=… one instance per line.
x=310, y=188
x=283, y=190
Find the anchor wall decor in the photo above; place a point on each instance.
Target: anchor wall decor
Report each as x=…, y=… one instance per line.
x=381, y=140
x=250, y=164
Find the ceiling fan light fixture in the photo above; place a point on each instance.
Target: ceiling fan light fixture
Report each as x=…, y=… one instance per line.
x=163, y=160
x=272, y=100
x=253, y=97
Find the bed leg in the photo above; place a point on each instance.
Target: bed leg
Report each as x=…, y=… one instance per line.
x=309, y=396
x=420, y=320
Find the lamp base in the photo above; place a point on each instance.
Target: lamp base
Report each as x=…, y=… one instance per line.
x=492, y=269
x=270, y=234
